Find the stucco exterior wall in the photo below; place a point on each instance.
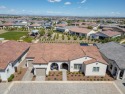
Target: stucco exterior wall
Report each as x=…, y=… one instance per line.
x=89, y=69
x=4, y=74
x=78, y=61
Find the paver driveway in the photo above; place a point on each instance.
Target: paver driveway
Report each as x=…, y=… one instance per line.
x=63, y=88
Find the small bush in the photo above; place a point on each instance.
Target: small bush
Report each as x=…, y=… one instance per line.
x=0, y=80
x=11, y=78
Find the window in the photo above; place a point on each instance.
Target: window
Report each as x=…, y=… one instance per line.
x=77, y=66
x=95, y=69
x=7, y=70
x=111, y=66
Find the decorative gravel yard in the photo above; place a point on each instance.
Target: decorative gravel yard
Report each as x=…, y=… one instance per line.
x=54, y=76
x=78, y=76
x=19, y=75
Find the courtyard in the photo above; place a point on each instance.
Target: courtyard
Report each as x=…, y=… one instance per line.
x=62, y=88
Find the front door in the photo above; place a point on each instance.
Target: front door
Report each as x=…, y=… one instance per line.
x=15, y=69
x=121, y=74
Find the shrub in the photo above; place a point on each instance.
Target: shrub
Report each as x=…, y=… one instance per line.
x=75, y=37
x=57, y=36
x=63, y=37
x=11, y=78
x=68, y=37
x=0, y=80
x=89, y=27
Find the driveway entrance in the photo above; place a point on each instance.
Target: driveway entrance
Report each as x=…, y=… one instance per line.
x=40, y=72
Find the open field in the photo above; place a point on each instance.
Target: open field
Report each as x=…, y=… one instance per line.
x=63, y=88
x=13, y=35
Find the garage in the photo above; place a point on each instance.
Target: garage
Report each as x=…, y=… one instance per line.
x=30, y=63
x=40, y=72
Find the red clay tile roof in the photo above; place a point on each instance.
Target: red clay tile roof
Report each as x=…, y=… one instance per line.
x=111, y=33
x=10, y=51
x=80, y=30
x=61, y=25
x=90, y=61
x=8, y=24
x=92, y=51
x=44, y=53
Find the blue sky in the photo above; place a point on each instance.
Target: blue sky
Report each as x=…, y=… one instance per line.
x=64, y=7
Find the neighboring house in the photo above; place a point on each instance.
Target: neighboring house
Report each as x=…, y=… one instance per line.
x=105, y=34
x=20, y=24
x=114, y=54
x=63, y=28
x=12, y=53
x=35, y=25
x=72, y=57
x=48, y=25
x=79, y=31
x=7, y=25
x=34, y=32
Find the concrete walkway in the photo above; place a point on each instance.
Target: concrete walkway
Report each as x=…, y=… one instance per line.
x=64, y=75
x=28, y=75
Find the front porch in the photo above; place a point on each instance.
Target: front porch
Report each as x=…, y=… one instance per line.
x=59, y=66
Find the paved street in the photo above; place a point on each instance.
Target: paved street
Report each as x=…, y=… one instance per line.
x=121, y=85
x=3, y=87
x=63, y=88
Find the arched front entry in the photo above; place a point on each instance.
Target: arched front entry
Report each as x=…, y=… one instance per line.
x=54, y=66
x=65, y=66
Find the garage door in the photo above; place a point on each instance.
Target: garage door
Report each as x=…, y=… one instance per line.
x=30, y=63
x=40, y=72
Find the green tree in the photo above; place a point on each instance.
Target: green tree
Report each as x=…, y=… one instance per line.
x=89, y=27
x=42, y=32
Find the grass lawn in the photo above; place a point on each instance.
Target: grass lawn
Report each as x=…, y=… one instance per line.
x=13, y=35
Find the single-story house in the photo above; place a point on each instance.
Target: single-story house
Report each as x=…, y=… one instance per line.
x=79, y=31
x=114, y=54
x=105, y=34
x=6, y=25
x=72, y=57
x=12, y=53
x=35, y=25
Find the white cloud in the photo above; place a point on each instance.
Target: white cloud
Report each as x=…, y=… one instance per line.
x=12, y=10
x=2, y=7
x=54, y=0
x=83, y=1
x=67, y=3
x=115, y=13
